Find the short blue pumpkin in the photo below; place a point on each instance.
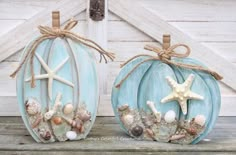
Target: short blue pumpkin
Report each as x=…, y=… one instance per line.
x=177, y=100
x=57, y=86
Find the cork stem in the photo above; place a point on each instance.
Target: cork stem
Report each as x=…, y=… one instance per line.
x=166, y=41
x=56, y=19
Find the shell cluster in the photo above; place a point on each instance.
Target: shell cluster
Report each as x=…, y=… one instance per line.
x=67, y=122
x=152, y=126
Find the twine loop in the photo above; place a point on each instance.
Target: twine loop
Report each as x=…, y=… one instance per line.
x=52, y=33
x=165, y=56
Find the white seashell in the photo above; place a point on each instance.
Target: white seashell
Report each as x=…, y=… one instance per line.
x=68, y=108
x=170, y=116
x=71, y=135
x=48, y=115
x=200, y=120
x=128, y=119
x=32, y=107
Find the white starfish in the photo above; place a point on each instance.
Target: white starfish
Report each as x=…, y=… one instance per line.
x=51, y=75
x=181, y=92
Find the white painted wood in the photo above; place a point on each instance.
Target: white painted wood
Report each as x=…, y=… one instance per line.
x=23, y=33
x=154, y=26
x=97, y=31
x=40, y=3
x=185, y=10
x=208, y=31
x=12, y=11
x=226, y=50
x=8, y=25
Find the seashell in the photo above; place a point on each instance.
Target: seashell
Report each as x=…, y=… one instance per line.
x=191, y=131
x=137, y=131
x=170, y=116
x=37, y=121
x=57, y=120
x=84, y=115
x=123, y=107
x=68, y=108
x=177, y=137
x=46, y=135
x=200, y=120
x=32, y=106
x=48, y=115
x=81, y=130
x=150, y=133
x=77, y=124
x=128, y=119
x=71, y=135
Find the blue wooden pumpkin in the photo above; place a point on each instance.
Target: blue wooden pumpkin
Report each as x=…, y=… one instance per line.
x=162, y=102
x=62, y=105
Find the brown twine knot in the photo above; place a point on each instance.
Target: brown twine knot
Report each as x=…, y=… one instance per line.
x=165, y=56
x=52, y=33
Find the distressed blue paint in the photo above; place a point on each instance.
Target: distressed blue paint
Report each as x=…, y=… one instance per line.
x=153, y=86
x=127, y=93
x=80, y=69
x=215, y=97
x=88, y=83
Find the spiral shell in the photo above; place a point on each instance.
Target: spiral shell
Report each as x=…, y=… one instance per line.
x=32, y=106
x=77, y=124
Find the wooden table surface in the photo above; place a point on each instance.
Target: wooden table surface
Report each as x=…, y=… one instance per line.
x=107, y=137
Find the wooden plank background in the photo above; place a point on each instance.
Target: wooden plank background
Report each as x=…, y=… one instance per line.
x=212, y=23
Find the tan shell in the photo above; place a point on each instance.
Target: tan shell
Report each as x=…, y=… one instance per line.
x=68, y=109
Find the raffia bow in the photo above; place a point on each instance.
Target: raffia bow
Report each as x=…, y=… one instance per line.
x=52, y=33
x=165, y=55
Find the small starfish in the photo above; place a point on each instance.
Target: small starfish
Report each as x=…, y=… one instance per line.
x=51, y=75
x=181, y=93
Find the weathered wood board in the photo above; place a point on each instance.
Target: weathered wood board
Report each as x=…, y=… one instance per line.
x=106, y=137
x=125, y=40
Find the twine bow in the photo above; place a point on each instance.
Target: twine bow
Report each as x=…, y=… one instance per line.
x=52, y=33
x=165, y=56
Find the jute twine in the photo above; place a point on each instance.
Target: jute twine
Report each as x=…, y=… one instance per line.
x=52, y=33
x=165, y=56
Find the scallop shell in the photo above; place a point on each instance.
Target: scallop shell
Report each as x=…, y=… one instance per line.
x=32, y=106
x=200, y=120
x=169, y=116
x=68, y=108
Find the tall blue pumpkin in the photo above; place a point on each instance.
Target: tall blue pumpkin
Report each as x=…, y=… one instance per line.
x=62, y=105
x=137, y=101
